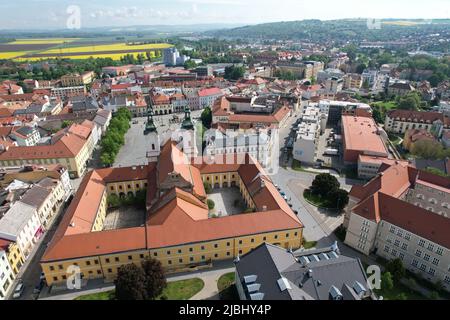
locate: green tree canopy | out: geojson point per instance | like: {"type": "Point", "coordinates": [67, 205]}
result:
{"type": "Point", "coordinates": [130, 283]}
{"type": "Point", "coordinates": [155, 280]}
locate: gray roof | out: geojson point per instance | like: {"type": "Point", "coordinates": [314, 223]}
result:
{"type": "Point", "coordinates": [16, 219]}
{"type": "Point", "coordinates": [313, 274]}
{"type": "Point", "coordinates": [437, 164]}
{"type": "Point", "coordinates": [84, 103]}
{"type": "Point", "coordinates": [35, 196]}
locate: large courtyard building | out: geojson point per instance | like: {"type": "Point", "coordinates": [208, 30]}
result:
{"type": "Point", "coordinates": [403, 213]}
{"type": "Point", "coordinates": [175, 225]}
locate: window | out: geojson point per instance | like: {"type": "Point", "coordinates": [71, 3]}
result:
{"type": "Point", "coordinates": [52, 268]}
{"type": "Point", "coordinates": [386, 248]}
{"type": "Point", "coordinates": [414, 263]}
{"type": "Point", "coordinates": [203, 247]}
{"type": "Point", "coordinates": [141, 256]}
{"type": "Point", "coordinates": [400, 233]}
{"type": "Point", "coordinates": [169, 261]}
{"type": "Point", "coordinates": [95, 261]}
{"type": "Point", "coordinates": [392, 229]}
{"type": "Point", "coordinates": [216, 245]}
{"type": "Point", "coordinates": [191, 249]}
{"type": "Point", "coordinates": [394, 253]}
{"type": "Point", "coordinates": [435, 261]}
{"type": "Point", "coordinates": [253, 240]}
{"type": "Point", "coordinates": [421, 243]}
{"type": "Point", "coordinates": [240, 241]}
{"type": "Point", "coordinates": [99, 272]}
{"type": "Point", "coordinates": [88, 263]}
{"type": "Point", "coordinates": [401, 255]}
{"type": "Point", "coordinates": [179, 251]}
{"type": "Point", "coordinates": [423, 267]}
{"type": "Point", "coordinates": [216, 255]}
{"type": "Point", "coordinates": [397, 243]}
{"type": "Point", "coordinates": [228, 244]}
{"type": "Point", "coordinates": [60, 267]}
{"type": "Point", "coordinates": [107, 260]}
{"type": "Point", "coordinates": [439, 251]}
{"type": "Point", "coordinates": [418, 253]}
{"type": "Point", "coordinates": [404, 246]}
{"type": "Point", "coordinates": [240, 251]}
{"type": "Point", "coordinates": [430, 246]}
{"type": "Point", "coordinates": [55, 278]}
{"type": "Point", "coordinates": [276, 236]}
{"type": "Point", "coordinates": [180, 260]}
{"type": "Point", "coordinates": [155, 254]}
{"type": "Point", "coordinates": [130, 258]}
{"type": "Point", "coordinates": [431, 271]}
{"type": "Point", "coordinates": [117, 259]}
{"type": "Point", "coordinates": [191, 259]}
{"type": "Point", "coordinates": [426, 257]}
{"type": "Point", "coordinates": [447, 279]}
{"type": "Point", "coordinates": [168, 252]}
{"type": "Point", "coordinates": [109, 270]}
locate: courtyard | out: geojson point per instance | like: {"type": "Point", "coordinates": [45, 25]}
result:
{"type": "Point", "coordinates": [124, 217]}
{"type": "Point", "coordinates": [228, 201]}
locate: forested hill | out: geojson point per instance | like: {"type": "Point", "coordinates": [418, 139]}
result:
{"type": "Point", "coordinates": [338, 30]}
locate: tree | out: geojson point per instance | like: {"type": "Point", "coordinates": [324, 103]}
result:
{"type": "Point", "coordinates": [378, 114]}
{"type": "Point", "coordinates": [190, 65]}
{"type": "Point", "coordinates": [410, 101]}
{"type": "Point", "coordinates": [130, 283]}
{"type": "Point", "coordinates": [428, 149]}
{"type": "Point", "coordinates": [155, 280]}
{"type": "Point", "coordinates": [323, 184]}
{"type": "Point", "coordinates": [396, 268]}
{"type": "Point", "coordinates": [339, 198]}
{"type": "Point", "coordinates": [113, 201]}
{"type": "Point", "coordinates": [66, 123]}
{"type": "Point", "coordinates": [234, 72]}
{"type": "Point", "coordinates": [387, 281]}
{"type": "Point", "coordinates": [206, 117]}
{"type": "Point", "coordinates": [208, 188]}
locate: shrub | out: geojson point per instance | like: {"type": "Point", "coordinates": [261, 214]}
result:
{"type": "Point", "coordinates": [211, 204]}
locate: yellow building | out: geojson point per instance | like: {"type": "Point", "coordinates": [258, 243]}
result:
{"type": "Point", "coordinates": [76, 79]}
{"type": "Point", "coordinates": [67, 149]}
{"type": "Point", "coordinates": [178, 230]}
{"type": "Point", "coordinates": [15, 257]}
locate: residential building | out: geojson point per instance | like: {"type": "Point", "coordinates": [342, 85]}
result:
{"type": "Point", "coordinates": [352, 81]}
{"type": "Point", "coordinates": [6, 275]}
{"type": "Point", "coordinates": [208, 96]}
{"type": "Point", "coordinates": [67, 92]}
{"type": "Point", "coordinates": [66, 149]}
{"type": "Point", "coordinates": [400, 89]}
{"type": "Point", "coordinates": [76, 79]}
{"type": "Point", "coordinates": [322, 274]}
{"type": "Point", "coordinates": [21, 224]}
{"type": "Point", "coordinates": [403, 213]}
{"type": "Point", "coordinates": [13, 254]}
{"type": "Point", "coordinates": [312, 124]}
{"type": "Point", "coordinates": [25, 136]}
{"type": "Point", "coordinates": [399, 121]}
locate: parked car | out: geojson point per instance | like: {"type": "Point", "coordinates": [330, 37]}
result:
{"type": "Point", "coordinates": [18, 291]}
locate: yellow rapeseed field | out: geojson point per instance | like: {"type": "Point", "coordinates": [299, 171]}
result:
{"type": "Point", "coordinates": [11, 55]}
{"type": "Point", "coordinates": [108, 47]}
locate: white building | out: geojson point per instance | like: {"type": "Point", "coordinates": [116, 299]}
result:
{"type": "Point", "coordinates": [313, 123]}
{"type": "Point", "coordinates": [26, 136]}
{"type": "Point", "coordinates": [21, 224]}
{"type": "Point", "coordinates": [6, 275]}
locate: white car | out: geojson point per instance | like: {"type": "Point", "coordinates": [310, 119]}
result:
{"type": "Point", "coordinates": [18, 290]}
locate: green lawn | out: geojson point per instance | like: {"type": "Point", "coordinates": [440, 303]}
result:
{"type": "Point", "coordinates": [316, 200]}
{"type": "Point", "coordinates": [227, 287]}
{"type": "Point", "coordinates": [183, 289]}
{"type": "Point", "coordinates": [177, 290]}
{"type": "Point", "coordinates": [385, 105]}
{"type": "Point", "coordinates": [309, 244]}
{"type": "Point", "coordinates": [107, 295]}
{"type": "Point", "coordinates": [397, 290]}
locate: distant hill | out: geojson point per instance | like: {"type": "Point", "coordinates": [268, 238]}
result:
{"type": "Point", "coordinates": [337, 30]}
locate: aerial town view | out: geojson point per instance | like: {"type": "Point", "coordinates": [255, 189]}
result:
{"type": "Point", "coordinates": [235, 151]}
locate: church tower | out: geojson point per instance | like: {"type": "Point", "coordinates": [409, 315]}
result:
{"type": "Point", "coordinates": [152, 136]}
{"type": "Point", "coordinates": [186, 135]}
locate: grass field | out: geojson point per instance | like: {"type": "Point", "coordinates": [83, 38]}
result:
{"type": "Point", "coordinates": [177, 290]}
{"type": "Point", "coordinates": [44, 41]}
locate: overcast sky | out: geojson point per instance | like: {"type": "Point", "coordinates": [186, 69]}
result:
{"type": "Point", "coordinates": [26, 14]}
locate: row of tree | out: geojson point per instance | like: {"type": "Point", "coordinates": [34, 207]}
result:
{"type": "Point", "coordinates": [115, 136]}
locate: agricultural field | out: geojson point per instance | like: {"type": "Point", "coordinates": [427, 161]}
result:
{"type": "Point", "coordinates": [74, 48]}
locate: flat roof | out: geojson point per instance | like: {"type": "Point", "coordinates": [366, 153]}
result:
{"type": "Point", "coordinates": [360, 134]}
